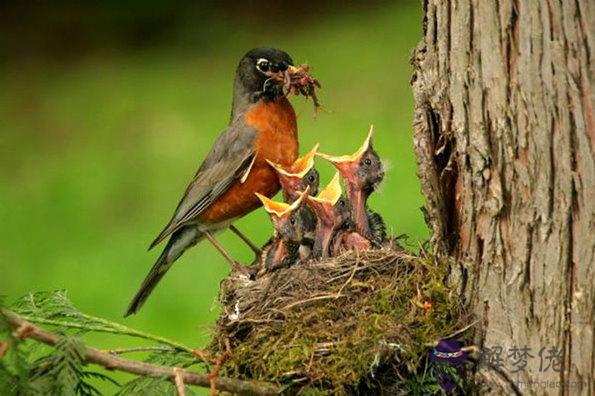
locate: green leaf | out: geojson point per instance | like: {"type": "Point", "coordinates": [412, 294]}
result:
{"type": "Point", "coordinates": [55, 309]}
{"type": "Point", "coordinates": [62, 371]}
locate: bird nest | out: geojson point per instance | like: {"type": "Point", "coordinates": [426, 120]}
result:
{"type": "Point", "coordinates": [357, 323]}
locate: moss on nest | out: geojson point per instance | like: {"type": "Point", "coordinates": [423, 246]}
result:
{"type": "Point", "coordinates": [348, 324]}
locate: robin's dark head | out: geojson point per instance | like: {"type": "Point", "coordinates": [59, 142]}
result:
{"type": "Point", "coordinates": [261, 72]}
{"type": "Point", "coordinates": [298, 176]}
{"type": "Point", "coordinates": [363, 170]}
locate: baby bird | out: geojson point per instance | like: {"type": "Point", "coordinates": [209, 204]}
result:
{"type": "Point", "coordinates": [290, 230]}
{"type": "Point", "coordinates": [362, 172]}
{"type": "Point", "coordinates": [294, 179]}
{"type": "Point", "coordinates": [333, 213]}
{"type": "Point", "coordinates": [347, 239]}
{"type": "Point", "coordinates": [299, 175]}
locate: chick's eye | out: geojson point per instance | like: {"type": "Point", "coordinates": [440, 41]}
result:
{"type": "Point", "coordinates": [368, 161]}
{"type": "Point", "coordinates": [262, 65]}
{"type": "Point", "coordinates": [342, 203]}
{"type": "Point", "coordinates": [292, 220]}
{"type": "Point", "coordinates": [311, 178]}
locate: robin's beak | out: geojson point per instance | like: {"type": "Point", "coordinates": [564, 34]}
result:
{"type": "Point", "coordinates": [287, 73]}
{"type": "Point", "coordinates": [281, 72]}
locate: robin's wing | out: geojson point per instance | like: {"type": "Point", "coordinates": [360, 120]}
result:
{"type": "Point", "coordinates": [229, 160]}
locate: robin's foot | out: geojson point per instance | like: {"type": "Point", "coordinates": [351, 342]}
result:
{"type": "Point", "coordinates": [234, 264]}
{"type": "Point", "coordinates": [241, 269]}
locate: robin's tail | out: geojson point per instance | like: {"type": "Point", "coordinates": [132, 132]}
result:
{"type": "Point", "coordinates": [176, 246]}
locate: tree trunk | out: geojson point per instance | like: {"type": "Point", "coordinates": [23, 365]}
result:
{"type": "Point", "coordinates": [505, 141]}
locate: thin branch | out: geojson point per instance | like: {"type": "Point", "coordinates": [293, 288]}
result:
{"type": "Point", "coordinates": [108, 327]}
{"type": "Point", "coordinates": [179, 381]}
{"type": "Point", "coordinates": [121, 351]}
{"type": "Point", "coordinates": [25, 329]}
{"type": "Point", "coordinates": [434, 343]}
{"type": "Point", "coordinates": [463, 329]}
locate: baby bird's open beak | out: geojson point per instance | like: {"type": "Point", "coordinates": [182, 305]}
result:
{"type": "Point", "coordinates": [300, 167]}
{"type": "Point", "coordinates": [324, 207]}
{"type": "Point", "coordinates": [281, 210]}
{"type": "Point", "coordinates": [291, 176]}
{"type": "Point", "coordinates": [347, 164]}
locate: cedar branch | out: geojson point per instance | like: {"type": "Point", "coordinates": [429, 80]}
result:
{"type": "Point", "coordinates": [112, 362]}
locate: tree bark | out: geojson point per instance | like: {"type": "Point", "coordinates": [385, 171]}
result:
{"type": "Point", "coordinates": [505, 140]}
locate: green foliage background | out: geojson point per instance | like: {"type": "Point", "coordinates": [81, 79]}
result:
{"type": "Point", "coordinates": [96, 150]}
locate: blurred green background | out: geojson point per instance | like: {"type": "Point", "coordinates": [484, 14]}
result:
{"type": "Point", "coordinates": [106, 112]}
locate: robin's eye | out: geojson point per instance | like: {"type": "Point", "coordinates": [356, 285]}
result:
{"type": "Point", "coordinates": [292, 220]}
{"type": "Point", "coordinates": [311, 178]}
{"type": "Point", "coordinates": [368, 161]}
{"type": "Point", "coordinates": [342, 203]}
{"type": "Point", "coordinates": [263, 65]}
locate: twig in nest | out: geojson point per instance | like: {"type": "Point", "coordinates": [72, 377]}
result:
{"type": "Point", "coordinates": [355, 266]}
{"type": "Point", "coordinates": [310, 361]}
{"type": "Point", "coordinates": [201, 354]}
{"type": "Point", "coordinates": [323, 297]}
{"type": "Point", "coordinates": [218, 364]}
{"type": "Point", "coordinates": [463, 329]}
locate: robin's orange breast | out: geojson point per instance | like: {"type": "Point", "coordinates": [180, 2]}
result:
{"type": "Point", "coordinates": [276, 141]}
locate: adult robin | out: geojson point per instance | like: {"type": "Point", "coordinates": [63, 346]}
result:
{"type": "Point", "coordinates": [362, 172]}
{"type": "Point", "coordinates": [291, 229]}
{"type": "Point", "coordinates": [262, 127]}
{"type": "Point", "coordinates": [333, 213]}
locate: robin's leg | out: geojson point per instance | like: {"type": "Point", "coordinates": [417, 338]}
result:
{"type": "Point", "coordinates": [234, 264]}
{"type": "Point", "coordinates": [244, 238]}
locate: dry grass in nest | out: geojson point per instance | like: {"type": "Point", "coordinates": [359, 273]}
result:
{"type": "Point", "coordinates": [349, 324]}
